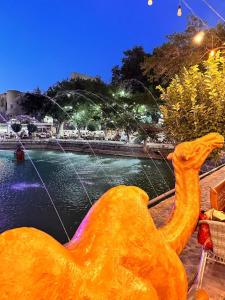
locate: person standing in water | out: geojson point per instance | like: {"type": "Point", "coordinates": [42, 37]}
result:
{"type": "Point", "coordinates": [19, 153]}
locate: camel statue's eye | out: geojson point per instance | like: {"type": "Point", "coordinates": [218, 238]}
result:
{"type": "Point", "coordinates": [184, 156]}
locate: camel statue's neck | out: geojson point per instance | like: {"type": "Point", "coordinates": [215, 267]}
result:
{"type": "Point", "coordinates": [187, 207]}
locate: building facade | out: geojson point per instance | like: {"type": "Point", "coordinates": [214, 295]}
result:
{"type": "Point", "coordinates": [10, 103]}
{"type": "Point", "coordinates": [76, 75]}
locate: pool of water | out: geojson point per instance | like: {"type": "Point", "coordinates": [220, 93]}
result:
{"type": "Point", "coordinates": [73, 181]}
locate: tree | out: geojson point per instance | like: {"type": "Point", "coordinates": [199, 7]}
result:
{"type": "Point", "coordinates": [16, 127]}
{"type": "Point", "coordinates": [132, 89]}
{"type": "Point", "coordinates": [116, 76]}
{"type": "Point", "coordinates": [35, 104]}
{"type": "Point", "coordinates": [37, 91]}
{"type": "Point", "coordinates": [64, 99]}
{"type": "Point", "coordinates": [31, 128]}
{"type": "Point", "coordinates": [132, 105]}
{"type": "Point", "coordinates": [148, 131]}
{"type": "Point", "coordinates": [126, 112]}
{"type": "Point", "coordinates": [87, 116]}
{"type": "Point", "coordinates": [181, 51]}
{"type": "Point", "coordinates": [78, 95]}
{"type": "Point", "coordinates": [195, 101]}
{"type": "Point", "coordinates": [131, 67]}
{"type": "Point", "coordinates": [94, 86]}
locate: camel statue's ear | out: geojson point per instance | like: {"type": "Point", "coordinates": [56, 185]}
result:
{"type": "Point", "coordinates": [170, 156]}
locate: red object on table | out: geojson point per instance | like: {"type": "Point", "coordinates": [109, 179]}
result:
{"type": "Point", "coordinates": [204, 237]}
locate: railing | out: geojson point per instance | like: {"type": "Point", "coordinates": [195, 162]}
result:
{"type": "Point", "coordinates": [157, 151]}
{"type": "Point", "coordinates": [171, 193]}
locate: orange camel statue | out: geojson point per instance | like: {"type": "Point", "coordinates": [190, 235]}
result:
{"type": "Point", "coordinates": [117, 252]}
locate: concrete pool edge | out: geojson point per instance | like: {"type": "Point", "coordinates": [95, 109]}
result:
{"type": "Point", "coordinates": [155, 151]}
{"type": "Point", "coordinates": [171, 193]}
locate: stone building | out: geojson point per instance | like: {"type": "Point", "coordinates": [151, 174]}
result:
{"type": "Point", "coordinates": [76, 75]}
{"type": "Point", "coordinates": [10, 103]}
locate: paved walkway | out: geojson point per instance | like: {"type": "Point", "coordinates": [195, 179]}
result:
{"type": "Point", "coordinates": [214, 278]}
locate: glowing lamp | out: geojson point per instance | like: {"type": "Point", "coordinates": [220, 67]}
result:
{"type": "Point", "coordinates": [198, 38]}
{"type": "Point", "coordinates": [179, 11]}
{"type": "Point", "coordinates": [212, 53]}
{"type": "Point", "coordinates": [150, 2]}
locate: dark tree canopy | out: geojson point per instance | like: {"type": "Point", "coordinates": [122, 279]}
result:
{"type": "Point", "coordinates": [35, 104]}
{"type": "Point", "coordinates": [96, 86]}
{"type": "Point", "coordinates": [76, 94]}
{"type": "Point", "coordinates": [169, 59]}
{"type": "Point", "coordinates": [31, 128]}
{"type": "Point", "coordinates": [16, 127]}
{"type": "Point", "coordinates": [131, 67]}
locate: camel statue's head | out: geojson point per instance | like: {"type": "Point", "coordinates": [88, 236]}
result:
{"type": "Point", "coordinates": [191, 155]}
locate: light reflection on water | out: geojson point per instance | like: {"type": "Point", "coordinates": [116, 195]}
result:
{"type": "Point", "coordinates": [24, 202]}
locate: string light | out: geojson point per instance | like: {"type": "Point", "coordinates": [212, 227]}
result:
{"type": "Point", "coordinates": [179, 11]}
{"type": "Point", "coordinates": [214, 10]}
{"type": "Point", "coordinates": [212, 53]}
{"type": "Point", "coordinates": [198, 38]}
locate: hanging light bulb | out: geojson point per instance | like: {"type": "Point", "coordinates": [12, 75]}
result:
{"type": "Point", "coordinates": [212, 53]}
{"type": "Point", "coordinates": [150, 2]}
{"type": "Point", "coordinates": [179, 11]}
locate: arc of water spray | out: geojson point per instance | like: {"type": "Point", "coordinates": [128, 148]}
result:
{"type": "Point", "coordinates": [70, 119]}
{"type": "Point", "coordinates": [75, 92]}
{"type": "Point", "coordinates": [166, 184]}
{"type": "Point", "coordinates": [76, 172]}
{"type": "Point", "coordinates": [86, 192]}
{"type": "Point", "coordinates": [131, 148]}
{"type": "Point", "coordinates": [81, 95]}
{"type": "Point", "coordinates": [74, 168]}
{"type": "Point", "coordinates": [44, 185]}
{"type": "Point", "coordinates": [157, 105]}
{"type": "Point", "coordinates": [136, 123]}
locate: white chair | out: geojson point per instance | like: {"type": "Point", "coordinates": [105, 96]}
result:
{"type": "Point", "coordinates": [217, 232]}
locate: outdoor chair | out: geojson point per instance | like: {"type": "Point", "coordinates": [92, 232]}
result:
{"type": "Point", "coordinates": [217, 196]}
{"type": "Point", "coordinates": [217, 232]}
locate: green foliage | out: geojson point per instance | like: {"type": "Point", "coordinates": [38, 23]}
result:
{"type": "Point", "coordinates": [131, 67]}
{"type": "Point", "coordinates": [195, 101]}
{"type": "Point", "coordinates": [66, 101]}
{"type": "Point", "coordinates": [80, 95]}
{"type": "Point", "coordinates": [150, 131]}
{"type": "Point", "coordinates": [91, 127]}
{"type": "Point", "coordinates": [127, 113]}
{"type": "Point", "coordinates": [179, 51]}
{"type": "Point", "coordinates": [96, 86]}
{"type": "Point", "coordinates": [87, 115]}
{"type": "Point", "coordinates": [132, 90]}
{"type": "Point", "coordinates": [35, 104]}
{"type": "Point", "coordinates": [16, 127]}
{"type": "Point", "coordinates": [92, 103]}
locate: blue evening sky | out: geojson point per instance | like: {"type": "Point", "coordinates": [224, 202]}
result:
{"type": "Point", "coordinates": [43, 41]}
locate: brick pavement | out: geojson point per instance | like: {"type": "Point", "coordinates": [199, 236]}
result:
{"type": "Point", "coordinates": [214, 278]}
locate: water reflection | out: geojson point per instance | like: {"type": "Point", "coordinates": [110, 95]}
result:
{"type": "Point", "coordinates": [24, 202]}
